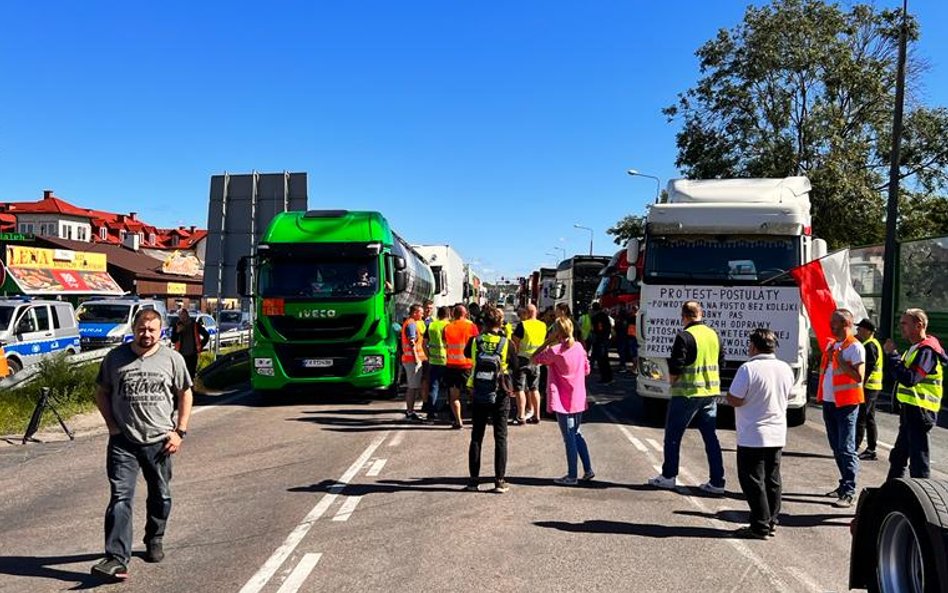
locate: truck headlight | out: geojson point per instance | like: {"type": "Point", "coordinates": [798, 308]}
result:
{"type": "Point", "coordinates": [263, 366]}
{"type": "Point", "coordinates": [652, 370]}
{"type": "Point", "coordinates": [371, 364]}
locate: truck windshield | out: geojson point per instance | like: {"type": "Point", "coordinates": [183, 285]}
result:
{"type": "Point", "coordinates": [616, 284]}
{"type": "Point", "coordinates": [6, 314]}
{"type": "Point", "coordinates": [319, 279]}
{"type": "Point", "coordinates": [103, 313]}
{"type": "Point", "coordinates": [710, 259]}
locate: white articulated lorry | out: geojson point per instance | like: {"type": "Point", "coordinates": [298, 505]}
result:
{"type": "Point", "coordinates": [728, 244]}
{"type": "Point", "coordinates": [448, 269]}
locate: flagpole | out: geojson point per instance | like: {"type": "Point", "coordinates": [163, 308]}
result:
{"type": "Point", "coordinates": [790, 271]}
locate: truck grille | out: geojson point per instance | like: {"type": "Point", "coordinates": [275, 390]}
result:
{"type": "Point", "coordinates": [293, 356]}
{"type": "Point", "coordinates": [343, 327]}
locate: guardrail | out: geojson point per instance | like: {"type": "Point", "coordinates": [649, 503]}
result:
{"type": "Point", "coordinates": [29, 373]}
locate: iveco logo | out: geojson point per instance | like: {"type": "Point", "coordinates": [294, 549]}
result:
{"type": "Point", "coordinates": [317, 314]}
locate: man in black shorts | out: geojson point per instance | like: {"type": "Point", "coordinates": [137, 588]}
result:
{"type": "Point", "coordinates": [528, 337]}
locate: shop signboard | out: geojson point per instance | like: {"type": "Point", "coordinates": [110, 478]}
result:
{"type": "Point", "coordinates": [38, 271]}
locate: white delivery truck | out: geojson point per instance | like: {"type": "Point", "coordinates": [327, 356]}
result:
{"type": "Point", "coordinates": [448, 269]}
{"type": "Point", "coordinates": [728, 244]}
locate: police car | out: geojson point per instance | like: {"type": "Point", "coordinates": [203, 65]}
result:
{"type": "Point", "coordinates": [31, 330]}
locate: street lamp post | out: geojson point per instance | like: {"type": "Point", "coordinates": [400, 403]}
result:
{"type": "Point", "coordinates": [658, 182]}
{"type": "Point", "coordinates": [586, 228]}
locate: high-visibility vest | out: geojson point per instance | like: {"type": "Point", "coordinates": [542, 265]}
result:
{"type": "Point", "coordinates": [534, 334]}
{"type": "Point", "coordinates": [702, 378]}
{"type": "Point", "coordinates": [630, 330]}
{"type": "Point", "coordinates": [4, 367]}
{"type": "Point", "coordinates": [874, 375]}
{"type": "Point", "coordinates": [508, 330]}
{"type": "Point", "coordinates": [846, 390]}
{"type": "Point", "coordinates": [490, 341]}
{"type": "Point", "coordinates": [408, 347]}
{"type": "Point", "coordinates": [436, 352]}
{"type": "Point", "coordinates": [456, 335]}
{"type": "Point", "coordinates": [925, 394]}
{"type": "Point", "coordinates": [585, 325]}
{"type": "Point", "coordinates": [197, 339]}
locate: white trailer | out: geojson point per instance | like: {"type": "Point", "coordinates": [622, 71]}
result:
{"type": "Point", "coordinates": [727, 243]}
{"type": "Point", "coordinates": [448, 269]}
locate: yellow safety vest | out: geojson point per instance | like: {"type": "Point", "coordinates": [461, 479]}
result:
{"type": "Point", "coordinates": [926, 394]}
{"type": "Point", "coordinates": [490, 340]}
{"type": "Point", "coordinates": [874, 378]}
{"type": "Point", "coordinates": [437, 353]}
{"type": "Point", "coordinates": [534, 334]}
{"type": "Point", "coordinates": [702, 378]}
{"type": "Point", "coordinates": [585, 325]}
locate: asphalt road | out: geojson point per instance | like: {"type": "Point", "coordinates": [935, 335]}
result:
{"type": "Point", "coordinates": [342, 495]}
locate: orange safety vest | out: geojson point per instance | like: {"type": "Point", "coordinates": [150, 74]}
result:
{"type": "Point", "coordinates": [197, 339]}
{"type": "Point", "coordinates": [4, 367]}
{"type": "Point", "coordinates": [846, 390]}
{"type": "Point", "coordinates": [456, 336]}
{"type": "Point", "coordinates": [407, 346]}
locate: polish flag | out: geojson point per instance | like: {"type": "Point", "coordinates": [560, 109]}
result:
{"type": "Point", "coordinates": [825, 286]}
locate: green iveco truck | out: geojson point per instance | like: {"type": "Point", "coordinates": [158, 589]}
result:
{"type": "Point", "coordinates": [330, 289]}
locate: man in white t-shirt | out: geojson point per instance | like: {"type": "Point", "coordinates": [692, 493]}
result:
{"type": "Point", "coordinates": [759, 393]}
{"type": "Point", "coordinates": [841, 393]}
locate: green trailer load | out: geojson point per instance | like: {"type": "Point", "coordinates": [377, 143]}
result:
{"type": "Point", "coordinates": [330, 289]}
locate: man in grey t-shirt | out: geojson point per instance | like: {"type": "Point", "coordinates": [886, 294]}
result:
{"type": "Point", "coordinates": [138, 384]}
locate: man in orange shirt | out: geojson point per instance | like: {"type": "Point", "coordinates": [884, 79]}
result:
{"type": "Point", "coordinates": [456, 336]}
{"type": "Point", "coordinates": [413, 358]}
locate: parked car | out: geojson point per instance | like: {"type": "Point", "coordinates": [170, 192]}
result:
{"type": "Point", "coordinates": [31, 330]}
{"type": "Point", "coordinates": [233, 320]}
{"type": "Point", "coordinates": [104, 323]}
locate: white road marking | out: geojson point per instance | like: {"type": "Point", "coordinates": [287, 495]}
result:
{"type": "Point", "coordinates": [299, 574]}
{"type": "Point", "coordinates": [762, 567]}
{"type": "Point", "coordinates": [376, 468]}
{"type": "Point", "coordinates": [804, 578]}
{"type": "Point", "coordinates": [637, 444]}
{"type": "Point", "coordinates": [258, 581]}
{"type": "Point", "coordinates": [221, 402]}
{"type": "Point", "coordinates": [347, 508]}
{"type": "Point", "coordinates": [654, 444]}
{"type": "Point", "coordinates": [397, 439]}
{"type": "Point", "coordinates": [885, 445]}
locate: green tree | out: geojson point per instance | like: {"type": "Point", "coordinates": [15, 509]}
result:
{"type": "Point", "coordinates": [629, 227]}
{"type": "Point", "coordinates": [803, 87]}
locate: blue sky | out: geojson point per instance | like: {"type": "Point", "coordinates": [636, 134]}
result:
{"type": "Point", "coordinates": [494, 127]}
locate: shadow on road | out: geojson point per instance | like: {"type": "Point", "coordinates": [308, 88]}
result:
{"type": "Point", "coordinates": [640, 529]}
{"type": "Point", "coordinates": [786, 520]}
{"type": "Point", "coordinates": [43, 567]}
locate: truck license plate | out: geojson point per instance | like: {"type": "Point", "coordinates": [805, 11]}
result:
{"type": "Point", "coordinates": [317, 363]}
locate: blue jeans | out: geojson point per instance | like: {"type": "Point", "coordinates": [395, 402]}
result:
{"type": "Point", "coordinates": [912, 443]}
{"type": "Point", "coordinates": [575, 443]}
{"type": "Point", "coordinates": [841, 433]}
{"type": "Point", "coordinates": [437, 371]}
{"type": "Point", "coordinates": [681, 411]}
{"type": "Point", "coordinates": [124, 459]}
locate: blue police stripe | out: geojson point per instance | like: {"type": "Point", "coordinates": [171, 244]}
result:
{"type": "Point", "coordinates": [41, 346]}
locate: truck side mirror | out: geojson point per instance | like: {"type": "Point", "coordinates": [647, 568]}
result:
{"type": "Point", "coordinates": [401, 280]}
{"type": "Point", "coordinates": [242, 265]}
{"type": "Point", "coordinates": [444, 283]}
{"type": "Point", "coordinates": [632, 252]}
{"type": "Point", "coordinates": [400, 263]}
{"type": "Point", "coordinates": [631, 273]}
{"type": "Point", "coordinates": [819, 249]}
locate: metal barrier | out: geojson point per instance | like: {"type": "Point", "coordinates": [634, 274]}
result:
{"type": "Point", "coordinates": [29, 373]}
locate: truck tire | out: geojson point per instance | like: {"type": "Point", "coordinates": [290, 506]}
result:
{"type": "Point", "coordinates": [796, 416]}
{"type": "Point", "coordinates": [14, 365]}
{"type": "Point", "coordinates": [911, 543]}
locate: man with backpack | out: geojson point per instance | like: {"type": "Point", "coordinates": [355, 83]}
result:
{"type": "Point", "coordinates": [491, 390]}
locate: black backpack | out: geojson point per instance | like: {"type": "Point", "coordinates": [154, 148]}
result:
{"type": "Point", "coordinates": [487, 372]}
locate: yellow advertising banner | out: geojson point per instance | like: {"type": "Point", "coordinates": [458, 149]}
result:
{"type": "Point", "coordinates": [37, 258]}
{"type": "Point", "coordinates": [177, 288]}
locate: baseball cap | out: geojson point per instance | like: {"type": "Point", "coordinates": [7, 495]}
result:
{"type": "Point", "coordinates": [866, 324]}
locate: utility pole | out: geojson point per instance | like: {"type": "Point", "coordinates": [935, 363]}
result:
{"type": "Point", "coordinates": [890, 261]}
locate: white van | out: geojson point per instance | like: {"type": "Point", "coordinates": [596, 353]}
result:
{"type": "Point", "coordinates": [30, 330]}
{"type": "Point", "coordinates": [104, 323]}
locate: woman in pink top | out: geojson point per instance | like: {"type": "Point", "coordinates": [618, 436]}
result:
{"type": "Point", "coordinates": [568, 366]}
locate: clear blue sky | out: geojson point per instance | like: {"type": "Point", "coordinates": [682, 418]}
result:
{"type": "Point", "coordinates": [490, 126]}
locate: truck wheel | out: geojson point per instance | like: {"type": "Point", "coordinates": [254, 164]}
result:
{"type": "Point", "coordinates": [796, 416]}
{"type": "Point", "coordinates": [912, 543]}
{"type": "Point", "coordinates": [14, 365]}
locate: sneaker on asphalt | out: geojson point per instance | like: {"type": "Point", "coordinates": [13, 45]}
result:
{"type": "Point", "coordinates": [457, 426]}
{"type": "Point", "coordinates": [868, 455]}
{"type": "Point", "coordinates": [528, 415]}
{"type": "Point", "coordinates": [533, 420]}
{"type": "Point", "coordinates": [748, 533]}
{"type": "Point", "coordinates": [412, 417]}
{"type": "Point", "coordinates": [501, 487]}
{"type": "Point", "coordinates": [517, 422]}
{"type": "Point", "coordinates": [588, 477]}
{"type": "Point", "coordinates": [110, 569]}
{"type": "Point", "coordinates": [154, 552]}
{"type": "Point", "coordinates": [565, 481]}
{"type": "Point", "coordinates": [661, 481]}
{"type": "Point", "coordinates": [833, 493]}
{"type": "Point", "coordinates": [711, 488]}
{"type": "Point", "coordinates": [472, 487]}
{"type": "Point", "coordinates": [844, 502]}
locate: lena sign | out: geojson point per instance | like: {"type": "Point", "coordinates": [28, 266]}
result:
{"type": "Point", "coordinates": [732, 311]}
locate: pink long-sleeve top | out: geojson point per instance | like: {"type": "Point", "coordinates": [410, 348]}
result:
{"type": "Point", "coordinates": [566, 380]}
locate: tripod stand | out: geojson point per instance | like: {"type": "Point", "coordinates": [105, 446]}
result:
{"type": "Point", "coordinates": [46, 400]}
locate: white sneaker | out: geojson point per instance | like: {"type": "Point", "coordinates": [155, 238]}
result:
{"type": "Point", "coordinates": [661, 481]}
{"type": "Point", "coordinates": [528, 415]}
{"type": "Point", "coordinates": [711, 489]}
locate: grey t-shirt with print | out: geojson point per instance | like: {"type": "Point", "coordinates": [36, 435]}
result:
{"type": "Point", "coordinates": [143, 390]}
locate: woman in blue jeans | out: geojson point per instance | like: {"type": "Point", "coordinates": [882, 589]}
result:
{"type": "Point", "coordinates": [566, 394]}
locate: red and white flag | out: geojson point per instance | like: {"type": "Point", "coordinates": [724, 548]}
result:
{"type": "Point", "coordinates": [825, 286]}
